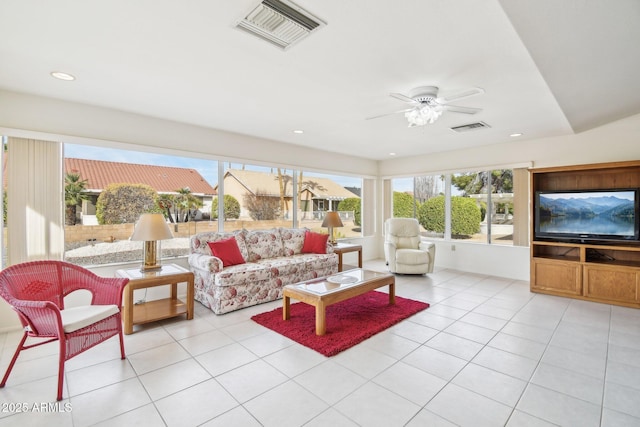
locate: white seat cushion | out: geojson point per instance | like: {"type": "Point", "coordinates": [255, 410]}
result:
{"type": "Point", "coordinates": [78, 317]}
{"type": "Point", "coordinates": [412, 256]}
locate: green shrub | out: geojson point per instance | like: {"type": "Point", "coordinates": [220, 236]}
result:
{"type": "Point", "coordinates": [352, 204]}
{"type": "Point", "coordinates": [465, 215]}
{"type": "Point", "coordinates": [231, 208]}
{"type": "Point", "coordinates": [123, 203]}
{"type": "Point", "coordinates": [403, 205]}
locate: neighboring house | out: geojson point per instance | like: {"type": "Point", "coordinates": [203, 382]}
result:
{"type": "Point", "coordinates": [164, 179]}
{"type": "Point", "coordinates": [318, 195]}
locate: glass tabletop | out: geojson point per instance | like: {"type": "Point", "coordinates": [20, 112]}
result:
{"type": "Point", "coordinates": [167, 269]}
{"type": "Point", "coordinates": [337, 282]}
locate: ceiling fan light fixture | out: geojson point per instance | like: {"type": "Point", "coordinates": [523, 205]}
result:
{"type": "Point", "coordinates": [423, 114]}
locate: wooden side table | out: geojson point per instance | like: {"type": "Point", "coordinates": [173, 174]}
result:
{"type": "Point", "coordinates": [151, 311]}
{"type": "Point", "coordinates": [343, 248]}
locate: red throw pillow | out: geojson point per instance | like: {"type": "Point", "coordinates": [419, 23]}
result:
{"type": "Point", "coordinates": [314, 243]}
{"type": "Point", "coordinates": [227, 250]}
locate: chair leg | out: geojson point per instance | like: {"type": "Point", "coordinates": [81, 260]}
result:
{"type": "Point", "coordinates": [121, 336]}
{"type": "Point", "coordinates": [62, 359]}
{"type": "Point", "coordinates": [13, 360]}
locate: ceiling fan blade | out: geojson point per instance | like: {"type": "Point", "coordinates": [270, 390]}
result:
{"type": "Point", "coordinates": [403, 98]}
{"type": "Point", "coordinates": [458, 109]}
{"type": "Point", "coordinates": [388, 114]}
{"type": "Point", "coordinates": [461, 95]}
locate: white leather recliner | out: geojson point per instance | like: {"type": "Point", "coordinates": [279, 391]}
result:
{"type": "Point", "coordinates": [405, 250]}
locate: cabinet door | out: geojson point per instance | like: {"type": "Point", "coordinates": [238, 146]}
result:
{"type": "Point", "coordinates": [555, 276]}
{"type": "Point", "coordinates": [611, 283]}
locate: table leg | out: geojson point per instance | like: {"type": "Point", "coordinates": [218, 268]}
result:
{"type": "Point", "coordinates": [321, 326]}
{"type": "Point", "coordinates": [392, 292]}
{"type": "Point", "coordinates": [174, 291]}
{"type": "Point", "coordinates": [360, 258]}
{"type": "Point", "coordinates": [190, 297]}
{"type": "Point", "coordinates": [286, 304]}
{"type": "Point", "coordinates": [339, 261]}
{"type": "Point", "coordinates": [128, 310]}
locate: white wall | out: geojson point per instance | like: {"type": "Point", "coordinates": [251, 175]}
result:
{"type": "Point", "coordinates": [617, 141]}
{"type": "Point", "coordinates": [33, 116]}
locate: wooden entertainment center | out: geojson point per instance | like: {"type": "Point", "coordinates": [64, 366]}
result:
{"type": "Point", "coordinates": [608, 272]}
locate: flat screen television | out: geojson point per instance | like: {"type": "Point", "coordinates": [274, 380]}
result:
{"type": "Point", "coordinates": [587, 215]}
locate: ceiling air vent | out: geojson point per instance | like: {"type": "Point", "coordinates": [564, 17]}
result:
{"type": "Point", "coordinates": [280, 22]}
{"type": "Point", "coordinates": [471, 126]}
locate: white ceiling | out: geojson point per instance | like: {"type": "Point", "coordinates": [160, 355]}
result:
{"type": "Point", "coordinates": [548, 67]}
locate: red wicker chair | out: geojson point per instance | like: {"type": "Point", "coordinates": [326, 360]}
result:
{"type": "Point", "coordinates": [36, 291]}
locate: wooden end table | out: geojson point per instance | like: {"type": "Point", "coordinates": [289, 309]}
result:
{"type": "Point", "coordinates": [343, 248]}
{"type": "Point", "coordinates": [321, 293]}
{"type": "Point", "coordinates": [151, 311]}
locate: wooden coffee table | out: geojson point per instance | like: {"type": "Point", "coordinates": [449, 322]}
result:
{"type": "Point", "coordinates": [323, 292]}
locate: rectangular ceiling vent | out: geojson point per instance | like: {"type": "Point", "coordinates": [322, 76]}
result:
{"type": "Point", "coordinates": [471, 126]}
{"type": "Point", "coordinates": [280, 22]}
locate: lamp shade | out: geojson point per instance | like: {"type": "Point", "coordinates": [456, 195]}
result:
{"type": "Point", "coordinates": [332, 219]}
{"type": "Point", "coordinates": [151, 227]}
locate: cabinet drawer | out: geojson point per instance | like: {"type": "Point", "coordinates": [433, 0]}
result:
{"type": "Point", "coordinates": [563, 277]}
{"type": "Point", "coordinates": [611, 283]}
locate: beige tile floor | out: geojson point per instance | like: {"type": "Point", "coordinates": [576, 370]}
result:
{"type": "Point", "coordinates": [486, 353]}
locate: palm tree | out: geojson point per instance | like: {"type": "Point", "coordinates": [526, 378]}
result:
{"type": "Point", "coordinates": [185, 201]}
{"type": "Point", "coordinates": [165, 202]}
{"type": "Point", "coordinates": [74, 188]}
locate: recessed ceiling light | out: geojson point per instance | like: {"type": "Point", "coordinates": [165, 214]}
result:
{"type": "Point", "coordinates": [62, 76]}
{"type": "Point", "coordinates": [392, 154]}
{"type": "Point", "coordinates": [513, 135]}
{"type": "Point", "coordinates": [298, 131]}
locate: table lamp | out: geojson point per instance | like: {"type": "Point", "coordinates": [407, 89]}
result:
{"type": "Point", "coordinates": [332, 219]}
{"type": "Point", "coordinates": [151, 228]}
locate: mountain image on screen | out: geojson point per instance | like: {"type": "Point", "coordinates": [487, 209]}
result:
{"type": "Point", "coordinates": [594, 215]}
{"type": "Point", "coordinates": [587, 208]}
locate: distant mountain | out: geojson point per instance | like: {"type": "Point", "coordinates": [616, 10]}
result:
{"type": "Point", "coordinates": [609, 206]}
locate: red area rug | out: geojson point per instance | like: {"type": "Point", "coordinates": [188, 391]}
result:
{"type": "Point", "coordinates": [348, 322]}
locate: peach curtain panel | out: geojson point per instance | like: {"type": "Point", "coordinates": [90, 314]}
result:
{"type": "Point", "coordinates": [35, 211]}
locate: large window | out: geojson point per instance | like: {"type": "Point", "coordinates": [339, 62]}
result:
{"type": "Point", "coordinates": [319, 193]}
{"type": "Point", "coordinates": [255, 197]}
{"type": "Point", "coordinates": [475, 206]}
{"type": "Point", "coordinates": [106, 190]}
{"type": "Point", "coordinates": [423, 198]}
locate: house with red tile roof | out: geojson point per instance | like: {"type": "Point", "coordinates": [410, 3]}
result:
{"type": "Point", "coordinates": [318, 194]}
{"type": "Point", "coordinates": [164, 179]}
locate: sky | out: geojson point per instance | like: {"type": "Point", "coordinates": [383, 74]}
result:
{"type": "Point", "coordinates": [629, 195]}
{"type": "Point", "coordinates": [207, 168]}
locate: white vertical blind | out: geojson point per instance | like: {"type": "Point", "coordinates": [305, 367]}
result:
{"type": "Point", "coordinates": [368, 208]}
{"type": "Point", "coordinates": [35, 197]}
{"type": "Point", "coordinates": [521, 207]}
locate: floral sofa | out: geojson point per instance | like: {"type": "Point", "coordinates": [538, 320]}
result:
{"type": "Point", "coordinates": [267, 261]}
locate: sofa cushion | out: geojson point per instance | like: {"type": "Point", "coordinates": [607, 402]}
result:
{"type": "Point", "coordinates": [292, 240]}
{"type": "Point", "coordinates": [318, 262]}
{"type": "Point", "coordinates": [227, 250]}
{"type": "Point", "coordinates": [284, 266]}
{"type": "Point", "coordinates": [315, 243]}
{"type": "Point", "coordinates": [263, 244]}
{"type": "Point", "coordinates": [199, 242]}
{"type": "Point", "coordinates": [242, 274]}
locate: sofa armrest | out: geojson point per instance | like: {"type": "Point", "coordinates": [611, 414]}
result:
{"type": "Point", "coordinates": [390, 254]}
{"type": "Point", "coordinates": [426, 246]}
{"type": "Point", "coordinates": [208, 263]}
{"type": "Point", "coordinates": [431, 248]}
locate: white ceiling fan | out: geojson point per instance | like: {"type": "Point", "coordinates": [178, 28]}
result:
{"type": "Point", "coordinates": [427, 106]}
